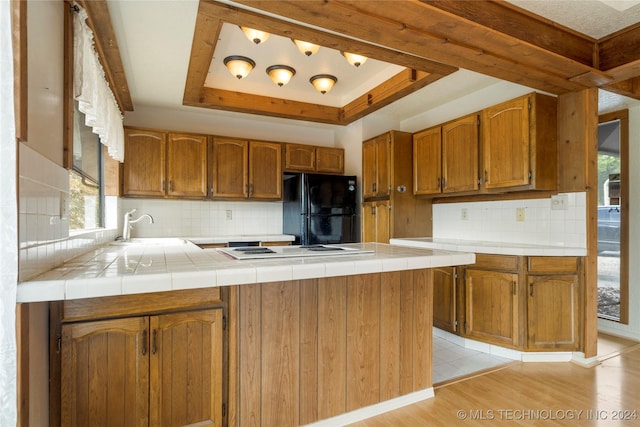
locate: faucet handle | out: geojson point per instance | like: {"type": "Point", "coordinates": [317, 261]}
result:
{"type": "Point", "coordinates": [132, 211]}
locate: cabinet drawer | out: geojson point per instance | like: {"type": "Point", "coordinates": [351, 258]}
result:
{"type": "Point", "coordinates": [127, 305]}
{"type": "Point", "coordinates": [497, 262]}
{"type": "Point", "coordinates": [552, 264]}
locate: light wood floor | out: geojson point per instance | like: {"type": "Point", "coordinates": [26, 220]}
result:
{"type": "Point", "coordinates": [542, 394]}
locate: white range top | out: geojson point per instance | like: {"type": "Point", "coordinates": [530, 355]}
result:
{"type": "Point", "coordinates": [482, 247]}
{"type": "Point", "coordinates": [166, 264]}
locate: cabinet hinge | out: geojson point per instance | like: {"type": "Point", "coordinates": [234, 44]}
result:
{"type": "Point", "coordinates": [455, 275]}
{"type": "Point", "coordinates": [478, 121]}
{"type": "Point", "coordinates": [58, 343]}
{"type": "Point", "coordinates": [530, 176]}
{"type": "Point", "coordinates": [224, 323]}
{"type": "Point", "coordinates": [389, 139]}
{"type": "Point", "coordinates": [529, 105]}
{"type": "Point", "coordinates": [224, 409]}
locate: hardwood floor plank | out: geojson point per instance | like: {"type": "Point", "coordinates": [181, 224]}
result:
{"type": "Point", "coordinates": [523, 394]}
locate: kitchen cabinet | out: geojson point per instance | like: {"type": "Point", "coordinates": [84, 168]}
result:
{"type": "Point", "coordinates": [246, 169]}
{"type": "Point", "coordinates": [445, 158]}
{"type": "Point", "coordinates": [165, 164]}
{"type": "Point", "coordinates": [553, 303]}
{"type": "Point", "coordinates": [138, 371]}
{"type": "Point", "coordinates": [144, 167]}
{"type": "Point", "coordinates": [519, 144]}
{"type": "Point", "coordinates": [387, 176]}
{"type": "Point", "coordinates": [493, 300]}
{"type": "Point", "coordinates": [309, 158]}
{"type": "Point", "coordinates": [376, 221]}
{"type": "Point", "coordinates": [445, 299]}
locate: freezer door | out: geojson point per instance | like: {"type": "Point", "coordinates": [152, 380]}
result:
{"type": "Point", "coordinates": [326, 229]}
{"type": "Point", "coordinates": [330, 194]}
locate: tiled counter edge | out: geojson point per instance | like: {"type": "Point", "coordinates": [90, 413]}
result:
{"type": "Point", "coordinates": [122, 270]}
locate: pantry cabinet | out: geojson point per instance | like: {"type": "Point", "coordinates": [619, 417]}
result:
{"type": "Point", "coordinates": [309, 158]}
{"type": "Point", "coordinates": [519, 144]}
{"type": "Point", "coordinates": [387, 176]}
{"type": "Point", "coordinates": [165, 164]}
{"type": "Point", "coordinates": [376, 221]}
{"type": "Point", "coordinates": [244, 169]}
{"type": "Point", "coordinates": [445, 158]}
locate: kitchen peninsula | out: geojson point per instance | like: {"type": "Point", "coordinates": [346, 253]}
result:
{"type": "Point", "coordinates": [285, 341]}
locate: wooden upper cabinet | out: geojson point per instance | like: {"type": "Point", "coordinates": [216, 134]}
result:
{"type": "Point", "coordinates": [460, 147]}
{"type": "Point", "coordinates": [265, 170]}
{"type": "Point", "coordinates": [330, 160]}
{"type": "Point", "coordinates": [519, 144]}
{"type": "Point", "coordinates": [427, 161]}
{"type": "Point", "coordinates": [247, 169]}
{"type": "Point", "coordinates": [144, 165]}
{"type": "Point", "coordinates": [187, 165]}
{"type": "Point", "coordinates": [230, 171]}
{"type": "Point", "coordinates": [299, 158]}
{"type": "Point", "coordinates": [105, 373]}
{"type": "Point", "coordinates": [376, 167]}
{"type": "Point", "coordinates": [309, 158]}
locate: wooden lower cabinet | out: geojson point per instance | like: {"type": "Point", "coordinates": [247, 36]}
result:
{"type": "Point", "coordinates": [376, 226]}
{"type": "Point", "coordinates": [445, 299]}
{"type": "Point", "coordinates": [157, 359]}
{"type": "Point", "coordinates": [312, 349]}
{"type": "Point", "coordinates": [492, 307]}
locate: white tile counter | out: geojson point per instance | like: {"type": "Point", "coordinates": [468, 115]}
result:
{"type": "Point", "coordinates": [166, 264]}
{"type": "Point", "coordinates": [241, 238]}
{"type": "Point", "coordinates": [481, 247]}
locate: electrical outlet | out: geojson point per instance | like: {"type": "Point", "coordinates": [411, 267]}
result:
{"type": "Point", "coordinates": [559, 202]}
{"type": "Point", "coordinates": [464, 214]}
{"type": "Point", "coordinates": [520, 214]}
{"type": "Point", "coordinates": [64, 209]}
{"type": "Point", "coordinates": [229, 214]}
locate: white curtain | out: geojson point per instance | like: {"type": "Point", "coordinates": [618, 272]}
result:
{"type": "Point", "coordinates": [8, 226]}
{"type": "Point", "coordinates": [92, 91]}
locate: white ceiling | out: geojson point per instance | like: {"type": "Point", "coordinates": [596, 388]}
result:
{"type": "Point", "coordinates": [155, 36]}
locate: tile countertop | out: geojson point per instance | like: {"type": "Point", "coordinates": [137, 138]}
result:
{"type": "Point", "coordinates": [241, 238]}
{"type": "Point", "coordinates": [166, 264]}
{"type": "Point", "coordinates": [482, 247]}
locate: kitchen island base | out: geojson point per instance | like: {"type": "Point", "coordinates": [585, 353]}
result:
{"type": "Point", "coordinates": [311, 350]}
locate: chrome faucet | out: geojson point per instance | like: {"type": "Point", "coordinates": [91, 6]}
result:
{"type": "Point", "coordinates": [128, 223]}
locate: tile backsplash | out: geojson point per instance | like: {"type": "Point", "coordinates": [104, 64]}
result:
{"type": "Point", "coordinates": [180, 218]}
{"type": "Point", "coordinates": [45, 241]}
{"type": "Point", "coordinates": [496, 221]}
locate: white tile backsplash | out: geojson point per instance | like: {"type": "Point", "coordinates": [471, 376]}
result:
{"type": "Point", "coordinates": [495, 221]}
{"type": "Point", "coordinates": [180, 218]}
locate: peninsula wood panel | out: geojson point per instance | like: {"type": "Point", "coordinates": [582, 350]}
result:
{"type": "Point", "coordinates": [358, 326]}
{"type": "Point", "coordinates": [332, 347]}
{"type": "Point", "coordinates": [363, 341]}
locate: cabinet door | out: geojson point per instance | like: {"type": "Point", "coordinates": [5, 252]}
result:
{"type": "Point", "coordinates": [369, 222]}
{"type": "Point", "coordinates": [376, 221]}
{"type": "Point", "coordinates": [186, 369]}
{"type": "Point", "coordinates": [330, 160]}
{"type": "Point", "coordinates": [105, 373]}
{"type": "Point", "coordinates": [144, 165]}
{"type": "Point", "coordinates": [491, 313]}
{"type": "Point", "coordinates": [427, 162]}
{"type": "Point", "coordinates": [444, 299]}
{"type": "Point", "coordinates": [505, 144]}
{"type": "Point", "coordinates": [230, 173]}
{"type": "Point", "coordinates": [553, 312]}
{"type": "Point", "coordinates": [265, 170]}
{"type": "Point", "coordinates": [187, 165]}
{"type": "Point", "coordinates": [369, 169]}
{"type": "Point", "coordinates": [383, 165]}
{"type": "Point", "coordinates": [383, 222]}
{"type": "Point", "coordinates": [460, 155]}
{"type": "Point", "coordinates": [298, 157]}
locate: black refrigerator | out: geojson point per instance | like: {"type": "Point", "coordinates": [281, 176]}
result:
{"type": "Point", "coordinates": [319, 209]}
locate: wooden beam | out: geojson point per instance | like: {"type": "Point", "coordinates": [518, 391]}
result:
{"type": "Point", "coordinates": [99, 20]}
{"type": "Point", "coordinates": [20, 67]}
{"type": "Point", "coordinates": [620, 48]}
{"type": "Point", "coordinates": [267, 106]}
{"type": "Point", "coordinates": [422, 29]}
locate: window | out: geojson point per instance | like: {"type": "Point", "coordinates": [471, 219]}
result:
{"type": "Point", "coordinates": [613, 217]}
{"type": "Point", "coordinates": [85, 177]}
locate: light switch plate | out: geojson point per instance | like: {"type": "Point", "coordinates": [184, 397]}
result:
{"type": "Point", "coordinates": [520, 214]}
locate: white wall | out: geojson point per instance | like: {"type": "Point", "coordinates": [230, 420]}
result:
{"type": "Point", "coordinates": [632, 330]}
